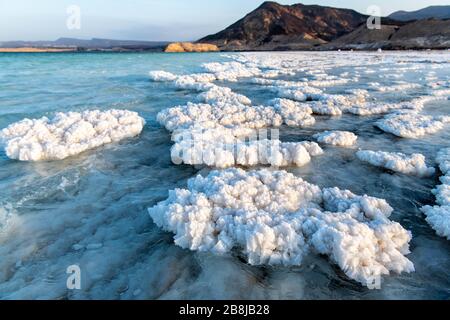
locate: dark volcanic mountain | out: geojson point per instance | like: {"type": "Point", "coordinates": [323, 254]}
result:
{"type": "Point", "coordinates": [436, 12]}
{"type": "Point", "coordinates": [273, 26]}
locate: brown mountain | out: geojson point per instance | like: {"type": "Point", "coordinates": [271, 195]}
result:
{"type": "Point", "coordinates": [276, 27]}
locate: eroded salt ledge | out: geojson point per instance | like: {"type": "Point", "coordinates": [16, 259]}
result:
{"type": "Point", "coordinates": [408, 164]}
{"type": "Point", "coordinates": [439, 216]}
{"type": "Point", "coordinates": [68, 134]}
{"type": "Point", "coordinates": [276, 218]}
{"type": "Point", "coordinates": [337, 138]}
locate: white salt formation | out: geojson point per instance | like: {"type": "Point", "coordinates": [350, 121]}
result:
{"type": "Point", "coordinates": [276, 218]}
{"type": "Point", "coordinates": [220, 148]}
{"type": "Point", "coordinates": [221, 106]}
{"type": "Point", "coordinates": [261, 152]}
{"type": "Point", "coordinates": [196, 81]}
{"type": "Point", "coordinates": [294, 114]}
{"type": "Point", "coordinates": [405, 107]}
{"type": "Point", "coordinates": [413, 165]}
{"type": "Point", "coordinates": [68, 134]}
{"type": "Point", "coordinates": [401, 86]}
{"type": "Point", "coordinates": [209, 116]}
{"type": "Point", "coordinates": [301, 94]}
{"type": "Point", "coordinates": [372, 108]}
{"type": "Point", "coordinates": [223, 97]}
{"type": "Point", "coordinates": [78, 213]}
{"type": "Point", "coordinates": [217, 107]}
{"type": "Point", "coordinates": [231, 71]}
{"type": "Point", "coordinates": [336, 104]}
{"type": "Point", "coordinates": [337, 138]}
{"type": "Point", "coordinates": [412, 125]}
{"type": "Point", "coordinates": [325, 104]}
{"type": "Point", "coordinates": [162, 76]}
{"type": "Point", "coordinates": [439, 216]}
{"type": "Point", "coordinates": [306, 90]}
{"type": "Point", "coordinates": [213, 132]}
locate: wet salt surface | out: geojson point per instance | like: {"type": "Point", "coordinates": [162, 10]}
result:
{"type": "Point", "coordinates": [90, 210]}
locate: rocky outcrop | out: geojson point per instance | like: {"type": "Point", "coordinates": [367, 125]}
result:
{"type": "Point", "coordinates": [191, 47]}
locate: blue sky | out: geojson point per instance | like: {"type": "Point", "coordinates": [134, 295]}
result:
{"type": "Point", "coordinates": [149, 19]}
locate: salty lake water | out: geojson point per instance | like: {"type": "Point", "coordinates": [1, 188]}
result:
{"type": "Point", "coordinates": [91, 210]}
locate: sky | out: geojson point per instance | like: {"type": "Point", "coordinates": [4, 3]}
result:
{"type": "Point", "coordinates": [157, 20]}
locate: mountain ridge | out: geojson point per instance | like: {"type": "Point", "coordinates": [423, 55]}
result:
{"type": "Point", "coordinates": [437, 12]}
{"type": "Point", "coordinates": [273, 26]}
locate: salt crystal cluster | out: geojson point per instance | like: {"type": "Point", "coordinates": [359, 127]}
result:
{"type": "Point", "coordinates": [412, 125]}
{"type": "Point", "coordinates": [400, 86]}
{"type": "Point", "coordinates": [209, 116]}
{"type": "Point", "coordinates": [231, 71]}
{"type": "Point", "coordinates": [439, 216]}
{"type": "Point", "coordinates": [408, 164]}
{"type": "Point", "coordinates": [276, 218]}
{"type": "Point", "coordinates": [273, 217]}
{"type": "Point", "coordinates": [215, 130]}
{"type": "Point", "coordinates": [68, 134]}
{"type": "Point", "coordinates": [220, 148]}
{"type": "Point", "coordinates": [337, 138]}
{"type": "Point", "coordinates": [294, 114]}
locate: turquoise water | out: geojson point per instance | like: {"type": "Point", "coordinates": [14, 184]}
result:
{"type": "Point", "coordinates": [90, 210]}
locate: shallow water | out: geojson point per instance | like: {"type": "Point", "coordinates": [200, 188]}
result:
{"type": "Point", "coordinates": [91, 210]}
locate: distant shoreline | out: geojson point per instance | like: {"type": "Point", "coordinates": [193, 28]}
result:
{"type": "Point", "coordinates": [76, 50]}
{"type": "Point", "coordinates": [30, 49]}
